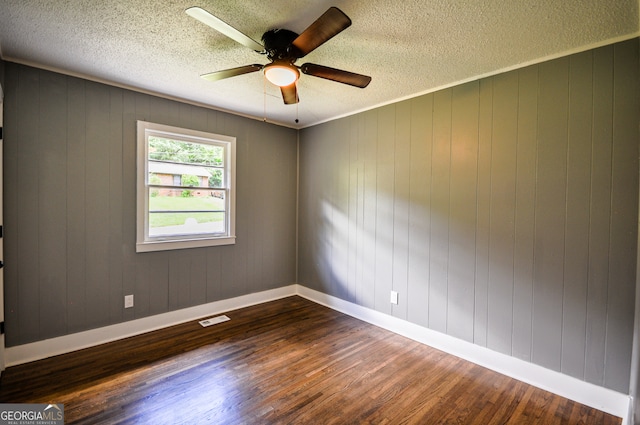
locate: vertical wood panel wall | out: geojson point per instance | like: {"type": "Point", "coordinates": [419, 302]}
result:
{"type": "Point", "coordinates": [504, 211]}
{"type": "Point", "coordinates": [70, 198]}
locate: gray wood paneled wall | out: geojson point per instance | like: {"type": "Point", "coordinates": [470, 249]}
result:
{"type": "Point", "coordinates": [504, 211]}
{"type": "Point", "coordinates": [69, 211]}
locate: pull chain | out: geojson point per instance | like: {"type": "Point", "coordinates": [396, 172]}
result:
{"type": "Point", "coordinates": [264, 92]}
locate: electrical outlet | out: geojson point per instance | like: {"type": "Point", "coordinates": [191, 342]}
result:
{"type": "Point", "coordinates": [128, 301]}
{"type": "Point", "coordinates": [394, 297]}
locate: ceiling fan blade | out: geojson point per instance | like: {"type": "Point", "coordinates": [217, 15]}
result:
{"type": "Point", "coordinates": [224, 28]}
{"type": "Point", "coordinates": [290, 94]}
{"type": "Point", "coordinates": [345, 77]}
{"type": "Point", "coordinates": [233, 72]}
{"type": "Point", "coordinates": [331, 23]}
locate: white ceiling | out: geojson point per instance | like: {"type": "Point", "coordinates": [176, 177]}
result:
{"type": "Point", "coordinates": [408, 47]}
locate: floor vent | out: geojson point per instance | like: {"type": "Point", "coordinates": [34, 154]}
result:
{"type": "Point", "coordinates": [213, 321]}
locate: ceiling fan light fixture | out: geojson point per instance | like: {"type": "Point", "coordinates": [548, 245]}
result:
{"type": "Point", "coordinates": [281, 74]}
{"type": "Point", "coordinates": [283, 48]}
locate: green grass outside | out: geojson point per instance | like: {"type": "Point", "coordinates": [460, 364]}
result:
{"type": "Point", "coordinates": [183, 204]}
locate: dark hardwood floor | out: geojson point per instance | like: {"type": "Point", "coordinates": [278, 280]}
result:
{"type": "Point", "coordinates": [289, 361]}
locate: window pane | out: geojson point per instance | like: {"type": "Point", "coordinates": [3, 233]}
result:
{"type": "Point", "coordinates": [174, 174]}
{"type": "Point", "coordinates": [176, 223]}
{"type": "Point", "coordinates": [178, 151]}
{"type": "Point", "coordinates": [192, 211]}
{"type": "Point", "coordinates": [186, 199]}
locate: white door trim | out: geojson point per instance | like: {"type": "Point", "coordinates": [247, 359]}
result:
{"type": "Point", "coordinates": [2, 358]}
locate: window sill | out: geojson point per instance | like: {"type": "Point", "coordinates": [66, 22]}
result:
{"type": "Point", "coordinates": [183, 244]}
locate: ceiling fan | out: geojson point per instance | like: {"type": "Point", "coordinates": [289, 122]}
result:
{"type": "Point", "coordinates": [283, 48]}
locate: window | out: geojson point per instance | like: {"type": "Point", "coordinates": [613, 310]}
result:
{"type": "Point", "coordinates": [185, 189]}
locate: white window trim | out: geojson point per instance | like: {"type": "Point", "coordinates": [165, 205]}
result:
{"type": "Point", "coordinates": [143, 243]}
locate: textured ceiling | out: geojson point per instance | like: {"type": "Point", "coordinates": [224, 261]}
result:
{"type": "Point", "coordinates": [408, 47]}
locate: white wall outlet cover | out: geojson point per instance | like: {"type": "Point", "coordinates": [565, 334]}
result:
{"type": "Point", "coordinates": [394, 297]}
{"type": "Point", "coordinates": [128, 301]}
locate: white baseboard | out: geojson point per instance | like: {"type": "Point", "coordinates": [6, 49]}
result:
{"type": "Point", "coordinates": [65, 344]}
{"type": "Point", "coordinates": [591, 395]}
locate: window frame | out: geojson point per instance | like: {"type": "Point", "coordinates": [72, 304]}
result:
{"type": "Point", "coordinates": [144, 243]}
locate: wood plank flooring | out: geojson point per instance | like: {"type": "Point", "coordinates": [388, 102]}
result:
{"type": "Point", "coordinates": [289, 361]}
